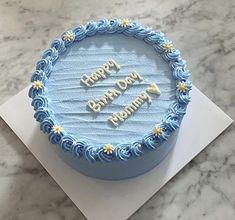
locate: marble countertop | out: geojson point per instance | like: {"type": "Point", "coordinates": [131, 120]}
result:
{"type": "Point", "coordinates": [205, 33]}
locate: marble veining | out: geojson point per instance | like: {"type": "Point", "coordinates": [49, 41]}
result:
{"type": "Point", "coordinates": [205, 33]}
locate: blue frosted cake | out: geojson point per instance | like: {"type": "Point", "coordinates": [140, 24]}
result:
{"type": "Point", "coordinates": [111, 96]}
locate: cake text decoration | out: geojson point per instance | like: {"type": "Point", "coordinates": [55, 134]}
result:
{"type": "Point", "coordinates": [100, 73]}
{"type": "Point", "coordinates": [117, 118]}
{"type": "Point", "coordinates": [122, 85]}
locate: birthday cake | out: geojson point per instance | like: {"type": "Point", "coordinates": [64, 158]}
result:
{"type": "Point", "coordinates": [111, 96]}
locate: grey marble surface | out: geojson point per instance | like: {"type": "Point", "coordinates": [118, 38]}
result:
{"type": "Point", "coordinates": [204, 30]}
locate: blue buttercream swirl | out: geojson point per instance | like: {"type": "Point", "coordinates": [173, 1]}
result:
{"type": "Point", "coordinates": [102, 156]}
{"type": "Point", "coordinates": [171, 123]}
{"type": "Point", "coordinates": [149, 141]}
{"type": "Point", "coordinates": [154, 37]}
{"type": "Point", "coordinates": [180, 63]}
{"type": "Point", "coordinates": [50, 54]}
{"type": "Point", "coordinates": [114, 26]}
{"type": "Point", "coordinates": [122, 152]}
{"type": "Point", "coordinates": [59, 45]}
{"type": "Point", "coordinates": [47, 124]}
{"type": "Point", "coordinates": [38, 75]}
{"type": "Point", "coordinates": [33, 92]}
{"type": "Point", "coordinates": [181, 74]}
{"type": "Point", "coordinates": [45, 65]}
{"type": "Point", "coordinates": [136, 149]}
{"type": "Point", "coordinates": [91, 28]}
{"type": "Point", "coordinates": [102, 26]}
{"type": "Point", "coordinates": [80, 33]}
{"type": "Point", "coordinates": [55, 138]}
{"type": "Point", "coordinates": [39, 101]}
{"type": "Point", "coordinates": [174, 55]}
{"type": "Point", "coordinates": [90, 153]}
{"type": "Point", "coordinates": [67, 142]}
{"type": "Point", "coordinates": [176, 110]}
{"type": "Point", "coordinates": [78, 148]}
{"type": "Point", "coordinates": [131, 30]}
{"type": "Point", "coordinates": [41, 113]}
{"type": "Point", "coordinates": [142, 32]}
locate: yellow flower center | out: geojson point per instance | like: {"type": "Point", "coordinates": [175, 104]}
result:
{"type": "Point", "coordinates": [37, 84]}
{"type": "Point", "coordinates": [157, 131]}
{"type": "Point", "coordinates": [57, 129]}
{"type": "Point", "coordinates": [167, 47]}
{"type": "Point", "coordinates": [124, 22]}
{"type": "Point", "coordinates": [181, 87]}
{"type": "Point", "coordinates": [108, 148]}
{"type": "Point", "coordinates": [68, 36]}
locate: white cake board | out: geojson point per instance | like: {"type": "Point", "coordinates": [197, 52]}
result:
{"type": "Point", "coordinates": [117, 200]}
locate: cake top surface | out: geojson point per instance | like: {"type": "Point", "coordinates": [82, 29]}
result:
{"type": "Point", "coordinates": [109, 90]}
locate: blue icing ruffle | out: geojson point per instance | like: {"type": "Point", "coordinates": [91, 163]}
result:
{"type": "Point", "coordinates": [180, 73]}
{"type": "Point", "coordinates": [41, 114]}
{"type": "Point", "coordinates": [180, 63]}
{"type": "Point", "coordinates": [91, 28]}
{"type": "Point", "coordinates": [142, 33]}
{"type": "Point", "coordinates": [80, 33]}
{"type": "Point", "coordinates": [174, 55]}
{"type": "Point", "coordinates": [33, 92]}
{"type": "Point", "coordinates": [149, 141]}
{"type": "Point", "coordinates": [103, 156]}
{"type": "Point", "coordinates": [132, 29]}
{"type": "Point", "coordinates": [59, 45]}
{"type": "Point", "coordinates": [38, 75]}
{"type": "Point", "coordinates": [113, 26]}
{"type": "Point", "coordinates": [55, 138]}
{"type": "Point", "coordinates": [102, 26]}
{"type": "Point", "coordinates": [154, 37]}
{"type": "Point", "coordinates": [67, 142]}
{"type": "Point", "coordinates": [39, 101]}
{"type": "Point", "coordinates": [136, 149]}
{"type": "Point", "coordinates": [90, 153]}
{"type": "Point", "coordinates": [171, 123]}
{"type": "Point", "coordinates": [47, 124]}
{"type": "Point", "coordinates": [177, 109]}
{"type": "Point", "coordinates": [44, 65]}
{"type": "Point", "coordinates": [51, 54]}
{"type": "Point", "coordinates": [122, 152]}
{"type": "Point", "coordinates": [78, 148]}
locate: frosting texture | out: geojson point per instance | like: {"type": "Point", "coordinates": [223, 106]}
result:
{"type": "Point", "coordinates": [69, 99]}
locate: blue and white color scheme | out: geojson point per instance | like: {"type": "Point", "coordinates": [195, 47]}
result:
{"type": "Point", "coordinates": [87, 141]}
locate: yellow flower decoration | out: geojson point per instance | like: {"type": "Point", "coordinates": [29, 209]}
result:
{"type": "Point", "coordinates": [157, 130]}
{"type": "Point", "coordinates": [124, 22]}
{"type": "Point", "coordinates": [37, 84]}
{"type": "Point", "coordinates": [181, 87]}
{"type": "Point", "coordinates": [167, 47]}
{"type": "Point", "coordinates": [68, 36]}
{"type": "Point", "coordinates": [108, 148]}
{"type": "Point", "coordinates": [57, 129]}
